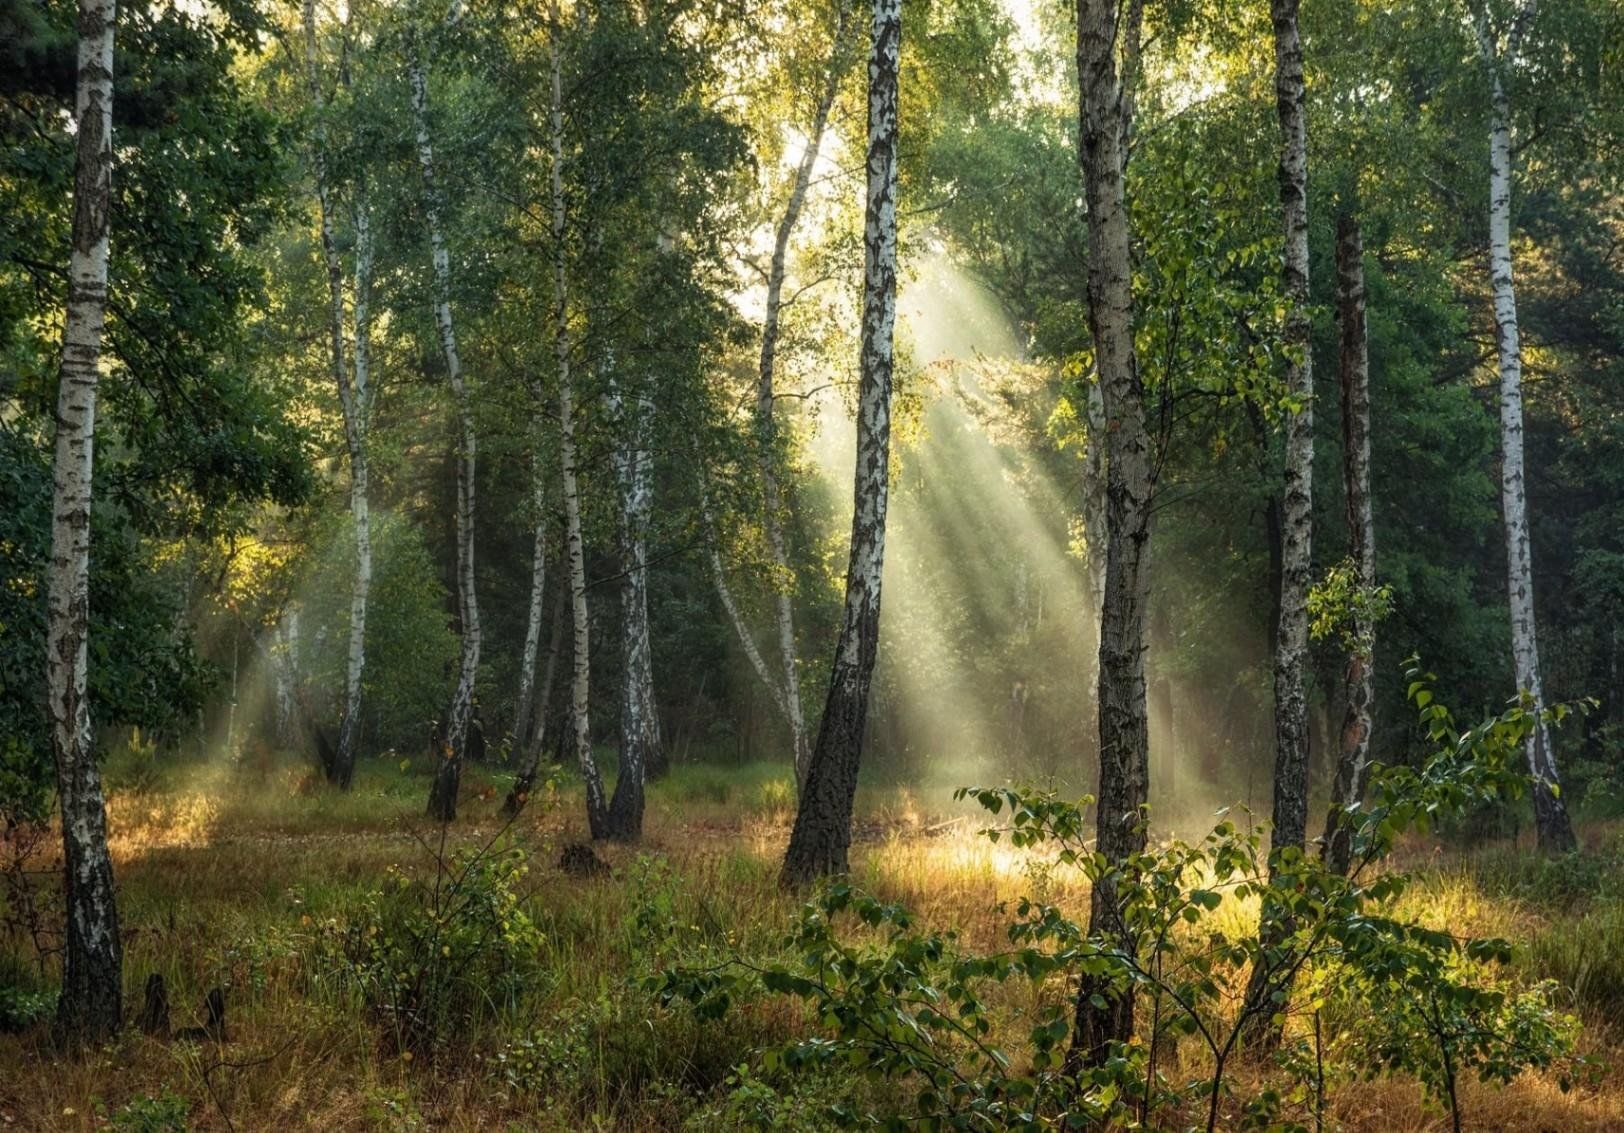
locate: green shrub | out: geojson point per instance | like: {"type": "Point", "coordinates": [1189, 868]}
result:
{"type": "Point", "coordinates": [165, 1113]}
{"type": "Point", "coordinates": [432, 959]}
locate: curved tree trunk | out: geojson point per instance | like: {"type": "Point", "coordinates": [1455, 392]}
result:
{"type": "Point", "coordinates": [1353, 373]}
{"type": "Point", "coordinates": [448, 774]}
{"type": "Point", "coordinates": [1290, 810]}
{"type": "Point", "coordinates": [1103, 1016]}
{"type": "Point", "coordinates": [525, 707]}
{"type": "Point", "coordinates": [91, 1004]}
{"type": "Point", "coordinates": [821, 837]}
{"type": "Point", "coordinates": [353, 401]}
{"type": "Point", "coordinates": [1550, 812]}
{"type": "Point", "coordinates": [536, 740]}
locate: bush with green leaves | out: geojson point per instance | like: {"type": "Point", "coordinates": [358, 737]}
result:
{"type": "Point", "coordinates": [431, 958]}
{"type": "Point", "coordinates": [912, 1005]}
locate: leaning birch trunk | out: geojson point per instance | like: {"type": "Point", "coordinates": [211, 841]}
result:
{"type": "Point", "coordinates": [90, 1007]}
{"type": "Point", "coordinates": [1290, 809]}
{"type": "Point", "coordinates": [340, 768]}
{"type": "Point", "coordinates": [821, 837]}
{"type": "Point", "coordinates": [766, 425]}
{"type": "Point", "coordinates": [448, 773]}
{"type": "Point", "coordinates": [538, 587]}
{"type": "Point", "coordinates": [574, 548]}
{"type": "Point", "coordinates": [524, 782]}
{"type": "Point", "coordinates": [1104, 1016]}
{"type": "Point", "coordinates": [1550, 812]}
{"type": "Point", "coordinates": [357, 417]}
{"type": "Point", "coordinates": [730, 605]}
{"type": "Point", "coordinates": [1353, 374]}
{"type": "Point", "coordinates": [639, 721]}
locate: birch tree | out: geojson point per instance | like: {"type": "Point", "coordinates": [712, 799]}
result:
{"type": "Point", "coordinates": [1290, 811]}
{"type": "Point", "coordinates": [1501, 56]}
{"type": "Point", "coordinates": [1104, 1015]}
{"type": "Point", "coordinates": [597, 810]}
{"type": "Point", "coordinates": [821, 836]}
{"type": "Point", "coordinates": [786, 687]}
{"type": "Point", "coordinates": [353, 397]}
{"type": "Point", "coordinates": [1296, 510]}
{"type": "Point", "coordinates": [639, 719]}
{"type": "Point", "coordinates": [91, 1002]}
{"type": "Point", "coordinates": [524, 708]}
{"type": "Point", "coordinates": [448, 772]}
{"type": "Point", "coordinates": [1353, 378]}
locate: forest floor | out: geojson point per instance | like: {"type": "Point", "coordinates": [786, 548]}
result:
{"type": "Point", "coordinates": [254, 879]}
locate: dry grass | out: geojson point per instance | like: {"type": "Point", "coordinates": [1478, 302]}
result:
{"type": "Point", "coordinates": [226, 875]}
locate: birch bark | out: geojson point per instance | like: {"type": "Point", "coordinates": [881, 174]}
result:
{"type": "Point", "coordinates": [1104, 1016]}
{"type": "Point", "coordinates": [1291, 639]}
{"type": "Point", "coordinates": [639, 720]}
{"type": "Point", "coordinates": [1290, 809]}
{"type": "Point", "coordinates": [91, 1005]}
{"type": "Point", "coordinates": [538, 586]}
{"type": "Point", "coordinates": [1555, 828]}
{"type": "Point", "coordinates": [821, 837]}
{"type": "Point", "coordinates": [448, 774]}
{"type": "Point", "coordinates": [597, 810]}
{"type": "Point", "coordinates": [766, 424]}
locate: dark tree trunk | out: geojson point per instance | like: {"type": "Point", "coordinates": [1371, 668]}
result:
{"type": "Point", "coordinates": [1104, 1015]}
{"type": "Point", "coordinates": [1353, 377]}
{"type": "Point", "coordinates": [821, 838]}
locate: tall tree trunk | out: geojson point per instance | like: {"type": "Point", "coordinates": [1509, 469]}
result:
{"type": "Point", "coordinates": [1353, 376]}
{"type": "Point", "coordinates": [285, 661]}
{"type": "Point", "coordinates": [1103, 1015]}
{"type": "Point", "coordinates": [448, 774]}
{"type": "Point", "coordinates": [352, 398]}
{"type": "Point", "coordinates": [536, 742]}
{"type": "Point", "coordinates": [1291, 639]}
{"type": "Point", "coordinates": [766, 424]}
{"type": "Point", "coordinates": [91, 1004]}
{"type": "Point", "coordinates": [1096, 527]}
{"type": "Point", "coordinates": [821, 837]}
{"type": "Point", "coordinates": [639, 718]}
{"type": "Point", "coordinates": [1550, 812]}
{"type": "Point", "coordinates": [1290, 811]}
{"type": "Point", "coordinates": [597, 811]}
{"type": "Point", "coordinates": [522, 715]}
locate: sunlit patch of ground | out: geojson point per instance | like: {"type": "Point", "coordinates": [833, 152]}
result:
{"type": "Point", "coordinates": [227, 873]}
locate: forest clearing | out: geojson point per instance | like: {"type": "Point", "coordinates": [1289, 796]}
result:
{"type": "Point", "coordinates": [236, 877]}
{"type": "Point", "coordinates": [812, 564]}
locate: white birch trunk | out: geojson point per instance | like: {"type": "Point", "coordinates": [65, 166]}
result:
{"type": "Point", "coordinates": [357, 420]}
{"type": "Point", "coordinates": [767, 426]}
{"type": "Point", "coordinates": [1550, 811]}
{"type": "Point", "coordinates": [821, 838]}
{"type": "Point", "coordinates": [1291, 639]}
{"type": "Point", "coordinates": [1102, 1015]}
{"type": "Point", "coordinates": [90, 1006]}
{"type": "Point", "coordinates": [574, 548]}
{"type": "Point", "coordinates": [538, 586]}
{"type": "Point", "coordinates": [639, 720]}
{"type": "Point", "coordinates": [443, 799]}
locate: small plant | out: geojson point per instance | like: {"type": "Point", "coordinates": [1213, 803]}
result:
{"type": "Point", "coordinates": [166, 1113]}
{"type": "Point", "coordinates": [430, 958]}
